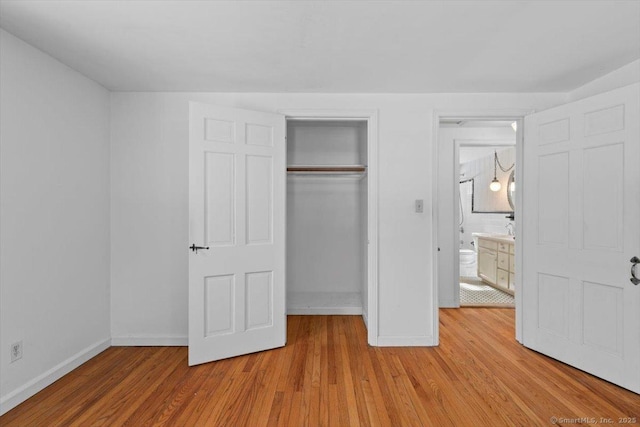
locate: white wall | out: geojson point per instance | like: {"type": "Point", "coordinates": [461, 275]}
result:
{"type": "Point", "coordinates": [481, 171]}
{"type": "Point", "coordinates": [448, 204]}
{"type": "Point", "coordinates": [324, 242]}
{"type": "Point", "coordinates": [54, 219]}
{"type": "Point", "coordinates": [623, 76]}
{"type": "Point", "coordinates": [149, 203]}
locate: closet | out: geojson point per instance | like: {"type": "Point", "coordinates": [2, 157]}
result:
{"type": "Point", "coordinates": [327, 189]}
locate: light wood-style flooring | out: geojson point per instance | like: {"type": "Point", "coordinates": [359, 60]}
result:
{"type": "Point", "coordinates": [327, 375]}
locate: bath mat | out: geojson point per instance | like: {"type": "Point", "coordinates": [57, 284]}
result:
{"type": "Point", "coordinates": [479, 294]}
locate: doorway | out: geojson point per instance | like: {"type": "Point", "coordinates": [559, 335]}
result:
{"type": "Point", "coordinates": [579, 235]}
{"type": "Point", "coordinates": [467, 147]}
{"type": "Point", "coordinates": [332, 214]}
{"type": "Point", "coordinates": [327, 217]}
{"type": "Point", "coordinates": [486, 222]}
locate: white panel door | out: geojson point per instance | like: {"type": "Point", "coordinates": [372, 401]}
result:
{"type": "Point", "coordinates": [581, 227]}
{"type": "Point", "coordinates": [237, 215]}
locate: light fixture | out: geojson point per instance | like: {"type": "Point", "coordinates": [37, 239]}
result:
{"type": "Point", "coordinates": [514, 126]}
{"type": "Point", "coordinates": [495, 184]}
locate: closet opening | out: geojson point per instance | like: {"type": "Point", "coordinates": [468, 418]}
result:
{"type": "Point", "coordinates": [328, 216]}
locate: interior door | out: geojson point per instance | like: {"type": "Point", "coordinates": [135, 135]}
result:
{"type": "Point", "coordinates": [581, 227]}
{"type": "Point", "coordinates": [237, 218]}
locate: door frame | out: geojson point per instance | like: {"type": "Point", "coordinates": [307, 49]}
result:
{"type": "Point", "coordinates": [516, 115]}
{"type": "Point", "coordinates": [370, 316]}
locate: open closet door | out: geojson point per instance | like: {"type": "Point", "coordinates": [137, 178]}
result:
{"type": "Point", "coordinates": [581, 228]}
{"type": "Point", "coordinates": [237, 232]}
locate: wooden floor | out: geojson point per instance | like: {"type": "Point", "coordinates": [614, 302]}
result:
{"type": "Point", "coordinates": [327, 375]}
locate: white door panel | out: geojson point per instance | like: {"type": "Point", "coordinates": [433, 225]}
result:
{"type": "Point", "coordinates": [236, 210]}
{"type": "Point", "coordinates": [581, 226]}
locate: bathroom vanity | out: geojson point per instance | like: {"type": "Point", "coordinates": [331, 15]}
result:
{"type": "Point", "coordinates": [496, 260]}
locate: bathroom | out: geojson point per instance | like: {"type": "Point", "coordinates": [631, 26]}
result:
{"type": "Point", "coordinates": [472, 153]}
{"type": "Point", "coordinates": [476, 215]}
{"type": "Point", "coordinates": [485, 156]}
{"type": "Point", "coordinates": [486, 222]}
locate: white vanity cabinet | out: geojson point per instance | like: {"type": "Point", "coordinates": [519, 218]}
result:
{"type": "Point", "coordinates": [487, 264]}
{"type": "Point", "coordinates": [496, 261]}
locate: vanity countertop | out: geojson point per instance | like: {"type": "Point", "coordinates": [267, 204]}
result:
{"type": "Point", "coordinates": [504, 238]}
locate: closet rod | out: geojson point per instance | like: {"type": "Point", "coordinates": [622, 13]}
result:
{"type": "Point", "coordinates": [326, 169]}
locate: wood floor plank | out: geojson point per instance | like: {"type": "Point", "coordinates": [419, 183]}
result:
{"type": "Point", "coordinates": [347, 380]}
{"type": "Point", "coordinates": [327, 375]}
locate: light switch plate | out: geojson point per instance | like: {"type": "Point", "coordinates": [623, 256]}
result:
{"type": "Point", "coordinates": [419, 206]}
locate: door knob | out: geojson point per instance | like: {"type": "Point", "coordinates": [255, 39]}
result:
{"type": "Point", "coordinates": [634, 279]}
{"type": "Point", "coordinates": [195, 248]}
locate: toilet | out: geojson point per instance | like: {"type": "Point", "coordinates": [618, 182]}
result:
{"type": "Point", "coordinates": [468, 263]}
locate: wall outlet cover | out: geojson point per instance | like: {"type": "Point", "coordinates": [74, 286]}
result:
{"type": "Point", "coordinates": [16, 351]}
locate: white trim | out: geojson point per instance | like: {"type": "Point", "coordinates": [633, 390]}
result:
{"type": "Point", "coordinates": [150, 341]}
{"type": "Point", "coordinates": [450, 303]}
{"type": "Point", "coordinates": [488, 114]}
{"type": "Point", "coordinates": [519, 225]}
{"type": "Point", "coordinates": [19, 395]}
{"type": "Point", "coordinates": [413, 341]}
{"type": "Point", "coordinates": [329, 114]}
{"type": "Point", "coordinates": [317, 116]}
{"type": "Point", "coordinates": [372, 226]}
{"type": "Point", "coordinates": [435, 249]}
{"type": "Point", "coordinates": [486, 142]}
{"type": "Point", "coordinates": [456, 230]}
{"type": "Point", "coordinates": [325, 311]}
{"type": "Point", "coordinates": [371, 116]}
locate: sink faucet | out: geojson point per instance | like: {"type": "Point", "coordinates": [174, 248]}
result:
{"type": "Point", "coordinates": [510, 229]}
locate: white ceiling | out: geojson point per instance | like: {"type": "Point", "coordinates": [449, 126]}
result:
{"type": "Point", "coordinates": [333, 46]}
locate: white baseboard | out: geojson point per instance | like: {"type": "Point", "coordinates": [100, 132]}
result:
{"type": "Point", "coordinates": [324, 311]}
{"type": "Point", "coordinates": [150, 341]}
{"type": "Point", "coordinates": [416, 341]}
{"type": "Point", "coordinates": [448, 304]}
{"type": "Point", "coordinates": [24, 392]}
{"type": "Point", "coordinates": [365, 317]}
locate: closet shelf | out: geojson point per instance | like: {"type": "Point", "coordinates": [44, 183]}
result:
{"type": "Point", "coordinates": [327, 169]}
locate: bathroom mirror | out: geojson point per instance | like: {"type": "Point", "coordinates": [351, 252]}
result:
{"type": "Point", "coordinates": [511, 190]}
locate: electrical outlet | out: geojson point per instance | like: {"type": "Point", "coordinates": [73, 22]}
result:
{"type": "Point", "coordinates": [16, 351]}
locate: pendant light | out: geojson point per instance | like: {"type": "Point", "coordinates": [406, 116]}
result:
{"type": "Point", "coordinates": [495, 184]}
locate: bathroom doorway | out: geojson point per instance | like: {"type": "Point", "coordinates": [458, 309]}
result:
{"type": "Point", "coordinates": [486, 221]}
{"type": "Point", "coordinates": [476, 221]}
